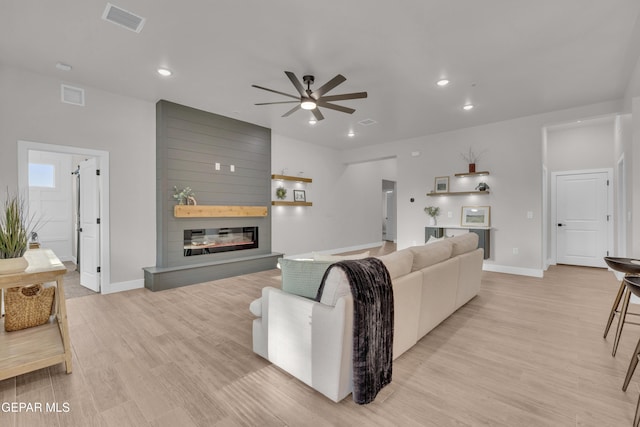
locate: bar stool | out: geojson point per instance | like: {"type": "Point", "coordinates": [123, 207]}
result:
{"type": "Point", "coordinates": [631, 268]}
{"type": "Point", "coordinates": [633, 284]}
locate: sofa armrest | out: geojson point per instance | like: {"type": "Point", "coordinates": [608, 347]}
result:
{"type": "Point", "coordinates": [311, 341]}
{"type": "Point", "coordinates": [289, 333]}
{"type": "Point", "coordinates": [332, 344]}
{"type": "Point", "coordinates": [260, 324]}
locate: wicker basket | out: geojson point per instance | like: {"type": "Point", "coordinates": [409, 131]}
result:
{"type": "Point", "coordinates": [27, 306]}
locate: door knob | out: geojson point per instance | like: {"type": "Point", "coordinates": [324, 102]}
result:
{"type": "Point", "coordinates": [560, 225]}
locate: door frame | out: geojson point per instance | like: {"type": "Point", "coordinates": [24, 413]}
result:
{"type": "Point", "coordinates": [554, 217]}
{"type": "Point", "coordinates": [103, 162]}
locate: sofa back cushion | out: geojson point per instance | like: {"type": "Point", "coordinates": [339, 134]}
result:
{"type": "Point", "coordinates": [398, 263]}
{"type": "Point", "coordinates": [335, 258]}
{"type": "Point", "coordinates": [302, 277]}
{"type": "Point", "coordinates": [336, 285]}
{"type": "Point", "coordinates": [433, 253]}
{"type": "Point", "coordinates": [464, 243]}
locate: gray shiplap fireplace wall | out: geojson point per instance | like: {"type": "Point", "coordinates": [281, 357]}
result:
{"type": "Point", "coordinates": [189, 142]}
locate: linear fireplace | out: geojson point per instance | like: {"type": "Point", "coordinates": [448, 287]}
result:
{"type": "Point", "coordinates": [211, 240]}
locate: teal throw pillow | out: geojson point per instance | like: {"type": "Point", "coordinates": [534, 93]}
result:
{"type": "Point", "coordinates": [302, 277]}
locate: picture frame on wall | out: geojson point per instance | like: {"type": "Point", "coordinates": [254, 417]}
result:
{"type": "Point", "coordinates": [476, 216]}
{"type": "Point", "coordinates": [441, 185]}
{"type": "Point", "coordinates": [299, 196]}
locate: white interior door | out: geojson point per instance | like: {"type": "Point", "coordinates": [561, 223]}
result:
{"type": "Point", "coordinates": [89, 225]}
{"type": "Point", "coordinates": [391, 216]}
{"type": "Point", "coordinates": [50, 201]}
{"type": "Point", "coordinates": [582, 219]}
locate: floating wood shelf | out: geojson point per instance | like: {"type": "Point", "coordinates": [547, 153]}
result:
{"type": "Point", "coordinates": [291, 203]}
{"type": "Point", "coordinates": [204, 211]}
{"type": "Point", "coordinates": [463, 174]}
{"type": "Point", "coordinates": [458, 193]}
{"type": "Point", "coordinates": [291, 178]}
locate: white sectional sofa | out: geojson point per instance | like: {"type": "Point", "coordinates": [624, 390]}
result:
{"type": "Point", "coordinates": [313, 341]}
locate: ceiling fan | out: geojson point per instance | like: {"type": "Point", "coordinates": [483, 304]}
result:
{"type": "Point", "coordinates": [311, 100]}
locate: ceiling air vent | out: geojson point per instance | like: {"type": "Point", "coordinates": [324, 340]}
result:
{"type": "Point", "coordinates": [72, 95]}
{"type": "Point", "coordinates": [123, 18]}
{"type": "Point", "coordinates": [367, 122]}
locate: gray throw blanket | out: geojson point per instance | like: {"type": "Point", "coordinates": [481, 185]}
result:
{"type": "Point", "coordinates": [372, 325]}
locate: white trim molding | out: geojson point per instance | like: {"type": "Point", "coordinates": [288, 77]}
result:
{"type": "Point", "coordinates": [520, 271]}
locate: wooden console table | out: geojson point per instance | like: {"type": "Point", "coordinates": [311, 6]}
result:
{"type": "Point", "coordinates": [41, 346]}
{"type": "Point", "coordinates": [484, 235]}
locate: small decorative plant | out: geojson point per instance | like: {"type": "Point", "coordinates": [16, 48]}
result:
{"type": "Point", "coordinates": [471, 157]}
{"type": "Point", "coordinates": [281, 193]}
{"type": "Point", "coordinates": [432, 211]}
{"type": "Point", "coordinates": [482, 186]}
{"type": "Point", "coordinates": [183, 196]}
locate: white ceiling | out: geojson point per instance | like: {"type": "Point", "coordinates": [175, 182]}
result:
{"type": "Point", "coordinates": [510, 58]}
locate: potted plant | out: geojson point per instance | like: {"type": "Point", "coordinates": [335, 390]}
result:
{"type": "Point", "coordinates": [14, 235]}
{"type": "Point", "coordinates": [433, 212]}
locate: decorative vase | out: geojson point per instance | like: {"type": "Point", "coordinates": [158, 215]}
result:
{"type": "Point", "coordinates": [13, 265]}
{"type": "Point", "coordinates": [432, 221]}
{"type": "Point", "coordinates": [472, 168]}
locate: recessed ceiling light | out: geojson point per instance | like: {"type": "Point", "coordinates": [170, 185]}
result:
{"type": "Point", "coordinates": [164, 72]}
{"type": "Point", "coordinates": [468, 107]}
{"type": "Point", "coordinates": [312, 121]}
{"type": "Point", "coordinates": [351, 134]}
{"type": "Point", "coordinates": [442, 82]}
{"type": "Point", "coordinates": [63, 67]}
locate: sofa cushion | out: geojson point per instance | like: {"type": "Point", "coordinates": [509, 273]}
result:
{"type": "Point", "coordinates": [336, 285]}
{"type": "Point", "coordinates": [433, 253]}
{"type": "Point", "coordinates": [302, 277]}
{"type": "Point", "coordinates": [256, 307]}
{"type": "Point", "coordinates": [464, 243]}
{"type": "Point", "coordinates": [398, 263]}
{"type": "Point", "coordinates": [335, 258]}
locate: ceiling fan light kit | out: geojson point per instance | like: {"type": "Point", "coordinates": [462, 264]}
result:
{"type": "Point", "coordinates": [311, 100]}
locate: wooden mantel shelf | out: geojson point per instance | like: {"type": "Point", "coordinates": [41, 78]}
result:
{"type": "Point", "coordinates": [204, 211]}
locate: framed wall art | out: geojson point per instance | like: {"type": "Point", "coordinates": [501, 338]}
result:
{"type": "Point", "coordinates": [441, 184]}
{"type": "Point", "coordinates": [476, 216]}
{"type": "Point", "coordinates": [299, 196]}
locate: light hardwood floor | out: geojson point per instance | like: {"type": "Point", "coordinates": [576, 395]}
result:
{"type": "Point", "coordinates": [524, 352]}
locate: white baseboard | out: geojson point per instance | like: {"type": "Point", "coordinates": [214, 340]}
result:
{"type": "Point", "coordinates": [309, 255]}
{"type": "Point", "coordinates": [532, 272]}
{"type": "Point", "coordinates": [129, 285]}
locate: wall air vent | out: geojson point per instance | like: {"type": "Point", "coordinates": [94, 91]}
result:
{"type": "Point", "coordinates": [123, 18]}
{"type": "Point", "coordinates": [367, 122]}
{"type": "Point", "coordinates": [72, 95]}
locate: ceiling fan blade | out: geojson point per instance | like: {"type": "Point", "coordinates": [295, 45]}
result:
{"type": "Point", "coordinates": [316, 112]}
{"type": "Point", "coordinates": [296, 83]}
{"type": "Point", "coordinates": [279, 102]}
{"type": "Point", "coordinates": [345, 96]}
{"type": "Point", "coordinates": [275, 91]}
{"type": "Point", "coordinates": [290, 112]}
{"type": "Point", "coordinates": [328, 86]}
{"type": "Point", "coordinates": [347, 110]}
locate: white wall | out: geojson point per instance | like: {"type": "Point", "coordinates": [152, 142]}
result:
{"type": "Point", "coordinates": [346, 199]}
{"type": "Point", "coordinates": [587, 145]}
{"type": "Point", "coordinates": [30, 110]}
{"type": "Point", "coordinates": [513, 157]}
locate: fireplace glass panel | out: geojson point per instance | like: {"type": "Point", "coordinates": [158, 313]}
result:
{"type": "Point", "coordinates": [211, 240]}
